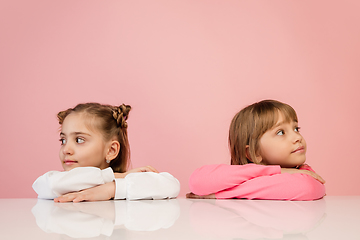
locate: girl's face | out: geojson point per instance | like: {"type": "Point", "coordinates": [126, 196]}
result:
{"type": "Point", "coordinates": [81, 146]}
{"type": "Point", "coordinates": [283, 145]}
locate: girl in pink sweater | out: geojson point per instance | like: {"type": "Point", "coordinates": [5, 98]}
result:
{"type": "Point", "coordinates": [268, 157]}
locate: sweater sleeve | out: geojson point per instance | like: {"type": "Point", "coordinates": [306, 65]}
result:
{"type": "Point", "coordinates": [210, 179]}
{"type": "Point", "coordinates": [285, 186]}
{"type": "Point", "coordinates": [147, 185]}
{"type": "Point", "coordinates": [54, 183]}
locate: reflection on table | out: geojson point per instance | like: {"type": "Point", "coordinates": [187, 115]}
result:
{"type": "Point", "coordinates": [92, 219]}
{"type": "Point", "coordinates": [331, 218]}
{"type": "Point", "coordinates": [256, 219]}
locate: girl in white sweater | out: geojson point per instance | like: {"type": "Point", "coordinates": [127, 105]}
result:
{"type": "Point", "coordinates": [95, 156]}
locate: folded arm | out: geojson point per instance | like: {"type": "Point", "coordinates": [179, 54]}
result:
{"type": "Point", "coordinates": [256, 182]}
{"type": "Point", "coordinates": [54, 183]}
{"type": "Point", "coordinates": [277, 187]}
{"type": "Point", "coordinates": [135, 186]}
{"type": "Point", "coordinates": [210, 179]}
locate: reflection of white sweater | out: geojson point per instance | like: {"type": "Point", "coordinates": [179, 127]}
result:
{"type": "Point", "coordinates": [92, 219]}
{"type": "Point", "coordinates": [142, 185]}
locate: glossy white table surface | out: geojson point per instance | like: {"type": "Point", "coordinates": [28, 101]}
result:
{"type": "Point", "coordinates": [328, 218]}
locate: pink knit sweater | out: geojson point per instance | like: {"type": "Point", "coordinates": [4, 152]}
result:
{"type": "Point", "coordinates": [252, 181]}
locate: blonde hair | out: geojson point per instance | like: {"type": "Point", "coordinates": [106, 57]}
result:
{"type": "Point", "coordinates": [110, 121]}
{"type": "Point", "coordinates": [248, 126]}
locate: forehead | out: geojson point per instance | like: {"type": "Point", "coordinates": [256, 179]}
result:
{"type": "Point", "coordinates": [281, 118]}
{"type": "Point", "coordinates": [76, 122]}
{"type": "Point", "coordinates": [284, 117]}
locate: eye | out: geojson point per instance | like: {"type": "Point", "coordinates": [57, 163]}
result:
{"type": "Point", "coordinates": [297, 129]}
{"type": "Point", "coordinates": [80, 140]}
{"type": "Point", "coordinates": [62, 141]}
{"type": "Point", "coordinates": [280, 132]}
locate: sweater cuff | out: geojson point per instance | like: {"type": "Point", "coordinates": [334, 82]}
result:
{"type": "Point", "coordinates": [120, 188]}
{"type": "Point", "coordinates": [108, 175]}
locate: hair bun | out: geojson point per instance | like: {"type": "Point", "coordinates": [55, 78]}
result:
{"type": "Point", "coordinates": [121, 114]}
{"type": "Point", "coordinates": [61, 116]}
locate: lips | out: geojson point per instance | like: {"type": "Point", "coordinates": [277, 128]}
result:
{"type": "Point", "coordinates": [69, 162]}
{"type": "Point", "coordinates": [299, 149]}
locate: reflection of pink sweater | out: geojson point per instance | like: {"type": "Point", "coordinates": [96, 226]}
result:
{"type": "Point", "coordinates": [253, 181]}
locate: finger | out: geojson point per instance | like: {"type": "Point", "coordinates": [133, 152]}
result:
{"type": "Point", "coordinates": [65, 198]}
{"type": "Point", "coordinates": [80, 198]}
{"type": "Point", "coordinates": [148, 169]}
{"type": "Point", "coordinates": [317, 177]}
{"type": "Point", "coordinates": [145, 169]}
{"type": "Point", "coordinates": [302, 166]}
{"type": "Point", "coordinates": [321, 179]}
{"type": "Point", "coordinates": [190, 195]}
{"type": "Point", "coordinates": [58, 199]}
{"type": "Point", "coordinates": [152, 169]}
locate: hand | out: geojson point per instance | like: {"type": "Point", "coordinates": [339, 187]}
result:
{"type": "Point", "coordinates": [294, 170]}
{"type": "Point", "coordinates": [192, 195]}
{"type": "Point", "coordinates": [304, 167]}
{"type": "Point", "coordinates": [135, 170]}
{"type": "Point", "coordinates": [99, 193]}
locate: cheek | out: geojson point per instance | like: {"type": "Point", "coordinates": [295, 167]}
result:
{"type": "Point", "coordinates": [94, 154]}
{"type": "Point", "coordinates": [268, 152]}
{"type": "Point", "coordinates": [271, 152]}
{"type": "Point", "coordinates": [61, 155]}
{"type": "Point", "coordinates": [266, 147]}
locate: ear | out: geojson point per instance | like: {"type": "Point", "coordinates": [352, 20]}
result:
{"type": "Point", "coordinates": [113, 150]}
{"type": "Point", "coordinates": [258, 159]}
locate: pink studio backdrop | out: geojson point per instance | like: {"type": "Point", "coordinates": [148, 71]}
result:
{"type": "Point", "coordinates": [186, 67]}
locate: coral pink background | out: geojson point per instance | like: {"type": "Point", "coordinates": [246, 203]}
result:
{"type": "Point", "coordinates": [186, 67]}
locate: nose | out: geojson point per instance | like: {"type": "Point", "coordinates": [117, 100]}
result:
{"type": "Point", "coordinates": [297, 137]}
{"type": "Point", "coordinates": [67, 149]}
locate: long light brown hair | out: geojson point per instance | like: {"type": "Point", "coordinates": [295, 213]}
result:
{"type": "Point", "coordinates": [110, 121]}
{"type": "Point", "coordinates": [248, 126]}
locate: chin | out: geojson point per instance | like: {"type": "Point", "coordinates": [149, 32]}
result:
{"type": "Point", "coordinates": [68, 168]}
{"type": "Point", "coordinates": [292, 165]}
{"type": "Point", "coordinates": [298, 164]}
{"type": "Point", "coordinates": [289, 166]}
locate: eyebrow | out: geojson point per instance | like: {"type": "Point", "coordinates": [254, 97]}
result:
{"type": "Point", "coordinates": [281, 123]}
{"type": "Point", "coordinates": [75, 133]}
